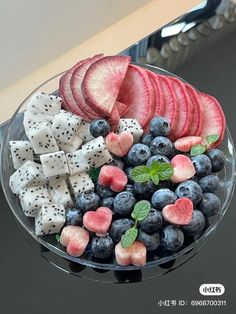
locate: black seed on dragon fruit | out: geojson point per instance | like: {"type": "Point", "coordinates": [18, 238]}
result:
{"type": "Point", "coordinates": [21, 151]}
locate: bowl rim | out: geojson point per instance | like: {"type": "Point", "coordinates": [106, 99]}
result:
{"type": "Point", "coordinates": [201, 240]}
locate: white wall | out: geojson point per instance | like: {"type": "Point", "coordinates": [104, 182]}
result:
{"type": "Point", "coordinates": [33, 32]}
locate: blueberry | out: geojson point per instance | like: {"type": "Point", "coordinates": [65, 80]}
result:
{"type": "Point", "coordinates": [74, 217]}
{"type": "Point", "coordinates": [217, 158]}
{"type": "Point", "coordinates": [173, 238]}
{"type": "Point", "coordinates": [117, 162]}
{"type": "Point", "coordinates": [196, 224]}
{"type": "Point", "coordinates": [144, 190]}
{"type": "Point", "coordinates": [130, 188]}
{"type": "Point", "coordinates": [210, 204]}
{"type": "Point", "coordinates": [202, 165]}
{"type": "Point", "coordinates": [163, 197]}
{"type": "Point", "coordinates": [102, 247]}
{"type": "Point", "coordinates": [108, 202]}
{"type": "Point", "coordinates": [161, 146]}
{"type": "Point", "coordinates": [104, 191]}
{"type": "Point", "coordinates": [191, 190]}
{"type": "Point", "coordinates": [139, 154]}
{"type": "Point", "coordinates": [153, 222]}
{"type": "Point", "coordinates": [119, 227]}
{"type": "Point", "coordinates": [151, 241]}
{"type": "Point", "coordinates": [99, 127]}
{"type": "Point", "coordinates": [158, 158]}
{"type": "Point", "coordinates": [159, 126]}
{"type": "Point", "coordinates": [128, 173]}
{"type": "Point", "coordinates": [87, 201]}
{"type": "Point", "coordinates": [209, 183]}
{"type": "Point", "coordinates": [124, 203]}
{"type": "Point", "coordinates": [147, 139]}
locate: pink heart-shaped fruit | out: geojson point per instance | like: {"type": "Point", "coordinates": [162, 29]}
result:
{"type": "Point", "coordinates": [136, 254]}
{"type": "Point", "coordinates": [98, 221]}
{"type": "Point", "coordinates": [114, 177]}
{"type": "Point", "coordinates": [119, 144]}
{"type": "Point", "coordinates": [183, 168]}
{"type": "Point", "coordinates": [179, 213]}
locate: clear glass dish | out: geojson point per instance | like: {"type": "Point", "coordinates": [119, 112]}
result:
{"type": "Point", "coordinates": [160, 258]}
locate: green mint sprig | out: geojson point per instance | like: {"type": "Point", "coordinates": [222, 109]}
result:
{"type": "Point", "coordinates": [157, 171]}
{"type": "Point", "coordinates": [139, 213]}
{"type": "Point", "coordinates": [200, 148]}
{"type": "Point", "coordinates": [94, 174]}
{"type": "Point", "coordinates": [57, 236]}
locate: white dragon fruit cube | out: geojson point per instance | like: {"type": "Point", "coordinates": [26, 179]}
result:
{"type": "Point", "coordinates": [84, 132]}
{"type": "Point", "coordinates": [21, 151]}
{"type": "Point", "coordinates": [59, 192]}
{"type": "Point", "coordinates": [72, 146]}
{"type": "Point", "coordinates": [96, 152]}
{"type": "Point", "coordinates": [132, 126]}
{"type": "Point", "coordinates": [29, 174]}
{"type": "Point", "coordinates": [65, 126]}
{"type": "Point", "coordinates": [33, 198]}
{"type": "Point", "coordinates": [54, 164]}
{"type": "Point", "coordinates": [50, 219]}
{"type": "Point", "coordinates": [32, 119]}
{"type": "Point", "coordinates": [77, 162]}
{"type": "Point", "coordinates": [41, 139]}
{"type": "Point", "coordinates": [80, 183]}
{"type": "Point", "coordinates": [44, 103]}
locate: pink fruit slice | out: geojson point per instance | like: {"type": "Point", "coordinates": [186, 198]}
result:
{"type": "Point", "coordinates": [65, 92]}
{"type": "Point", "coordinates": [102, 82]}
{"type": "Point", "coordinates": [179, 213]}
{"type": "Point", "coordinates": [76, 86]}
{"type": "Point", "coordinates": [137, 92]}
{"type": "Point", "coordinates": [98, 221]}
{"type": "Point", "coordinates": [114, 118]}
{"type": "Point", "coordinates": [136, 254]}
{"type": "Point", "coordinates": [195, 126]}
{"type": "Point", "coordinates": [119, 144]}
{"type": "Point", "coordinates": [183, 168]}
{"type": "Point", "coordinates": [122, 108]}
{"type": "Point", "coordinates": [114, 177]}
{"type": "Point", "coordinates": [184, 109]}
{"type": "Point", "coordinates": [184, 144]}
{"type": "Point", "coordinates": [213, 118]}
{"type": "Point", "coordinates": [159, 105]}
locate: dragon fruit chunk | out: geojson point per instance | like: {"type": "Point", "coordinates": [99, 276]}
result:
{"type": "Point", "coordinates": [44, 103]}
{"type": "Point", "coordinates": [71, 147]}
{"type": "Point", "coordinates": [84, 132]}
{"type": "Point", "coordinates": [41, 139]}
{"type": "Point", "coordinates": [33, 198]}
{"type": "Point", "coordinates": [80, 183]}
{"type": "Point", "coordinates": [29, 174]}
{"type": "Point", "coordinates": [32, 119]}
{"type": "Point", "coordinates": [132, 126]}
{"type": "Point", "coordinates": [50, 219]}
{"type": "Point", "coordinates": [21, 151]}
{"type": "Point", "coordinates": [96, 152]}
{"type": "Point", "coordinates": [59, 193]}
{"type": "Point", "coordinates": [65, 126]}
{"type": "Point", "coordinates": [76, 162]}
{"type": "Point", "coordinates": [54, 164]}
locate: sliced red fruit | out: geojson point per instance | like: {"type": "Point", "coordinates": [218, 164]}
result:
{"type": "Point", "coordinates": [184, 144]}
{"type": "Point", "coordinates": [114, 177]}
{"type": "Point", "coordinates": [159, 105]}
{"type": "Point", "coordinates": [183, 168]}
{"type": "Point", "coordinates": [98, 221]}
{"type": "Point", "coordinates": [170, 104]}
{"type": "Point", "coordinates": [102, 82]}
{"type": "Point", "coordinates": [137, 92]}
{"type": "Point", "coordinates": [179, 213]}
{"type": "Point", "coordinates": [76, 86]}
{"type": "Point", "coordinates": [214, 121]}
{"type": "Point", "coordinates": [184, 109]}
{"type": "Point", "coordinates": [65, 92]}
{"type": "Point", "coordinates": [119, 144]}
{"type": "Point", "coordinates": [195, 126]}
{"type": "Point", "coordinates": [114, 118]}
{"type": "Point", "coordinates": [122, 108]}
{"type": "Point", "coordinates": [136, 254]}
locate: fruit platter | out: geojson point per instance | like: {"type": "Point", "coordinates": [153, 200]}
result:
{"type": "Point", "coordinates": [118, 166]}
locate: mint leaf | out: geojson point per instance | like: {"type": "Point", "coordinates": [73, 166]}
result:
{"type": "Point", "coordinates": [94, 174]}
{"type": "Point", "coordinates": [57, 237]}
{"type": "Point", "coordinates": [129, 237]}
{"type": "Point", "coordinates": [155, 178]}
{"type": "Point", "coordinates": [197, 150]}
{"type": "Point", "coordinates": [165, 171]}
{"type": "Point", "coordinates": [212, 139]}
{"type": "Point", "coordinates": [141, 210]}
{"type": "Point", "coordinates": [153, 167]}
{"type": "Point", "coordinates": [140, 174]}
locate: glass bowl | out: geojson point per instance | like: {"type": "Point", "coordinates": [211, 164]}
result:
{"type": "Point", "coordinates": [157, 259]}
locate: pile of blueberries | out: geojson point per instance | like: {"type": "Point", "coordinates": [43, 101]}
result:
{"type": "Point", "coordinates": [154, 232]}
